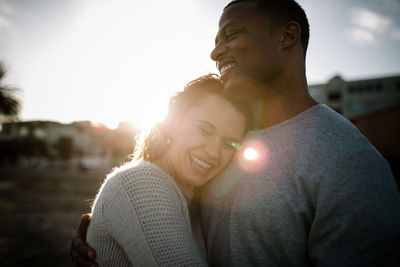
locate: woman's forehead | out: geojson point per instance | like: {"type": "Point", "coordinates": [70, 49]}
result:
{"type": "Point", "coordinates": [217, 110]}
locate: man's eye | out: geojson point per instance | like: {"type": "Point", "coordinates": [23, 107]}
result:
{"type": "Point", "coordinates": [231, 34]}
{"type": "Point", "coordinates": [233, 144]}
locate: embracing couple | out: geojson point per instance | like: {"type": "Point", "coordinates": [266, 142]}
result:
{"type": "Point", "coordinates": [317, 193]}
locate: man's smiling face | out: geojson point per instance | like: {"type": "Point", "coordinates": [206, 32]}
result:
{"type": "Point", "coordinates": [246, 48]}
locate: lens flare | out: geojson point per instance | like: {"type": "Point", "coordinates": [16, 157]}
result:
{"type": "Point", "coordinates": [250, 153]}
{"type": "Point", "coordinates": [253, 157]}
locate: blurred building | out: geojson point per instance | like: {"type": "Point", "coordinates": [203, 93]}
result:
{"type": "Point", "coordinates": [52, 133]}
{"type": "Point", "coordinates": [48, 140]}
{"type": "Point", "coordinates": [354, 98]}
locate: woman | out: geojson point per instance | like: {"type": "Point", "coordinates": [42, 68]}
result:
{"type": "Point", "coordinates": [140, 216]}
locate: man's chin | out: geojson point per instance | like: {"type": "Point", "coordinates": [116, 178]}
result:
{"type": "Point", "coordinates": [243, 88]}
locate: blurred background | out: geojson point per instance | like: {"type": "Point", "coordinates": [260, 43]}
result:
{"type": "Point", "coordinates": [80, 78]}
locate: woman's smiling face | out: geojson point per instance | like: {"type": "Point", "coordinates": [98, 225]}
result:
{"type": "Point", "coordinates": [203, 140]}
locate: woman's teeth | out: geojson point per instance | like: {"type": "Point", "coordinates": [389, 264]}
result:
{"type": "Point", "coordinates": [199, 163]}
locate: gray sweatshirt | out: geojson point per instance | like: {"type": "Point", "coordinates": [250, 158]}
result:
{"type": "Point", "coordinates": [318, 194]}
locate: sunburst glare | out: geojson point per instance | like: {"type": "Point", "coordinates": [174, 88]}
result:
{"type": "Point", "coordinates": [117, 60]}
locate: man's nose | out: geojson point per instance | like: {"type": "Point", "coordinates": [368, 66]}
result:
{"type": "Point", "coordinates": [218, 51]}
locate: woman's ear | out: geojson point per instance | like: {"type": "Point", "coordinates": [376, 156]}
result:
{"type": "Point", "coordinates": [164, 133]}
{"type": "Point", "coordinates": [290, 34]}
{"type": "Point", "coordinates": [168, 126]}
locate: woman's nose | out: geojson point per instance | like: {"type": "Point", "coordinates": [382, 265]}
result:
{"type": "Point", "coordinates": [212, 148]}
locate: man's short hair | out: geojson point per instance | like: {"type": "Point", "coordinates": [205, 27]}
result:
{"type": "Point", "coordinates": [282, 11]}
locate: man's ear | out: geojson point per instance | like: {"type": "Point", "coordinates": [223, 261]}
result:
{"type": "Point", "coordinates": [290, 34]}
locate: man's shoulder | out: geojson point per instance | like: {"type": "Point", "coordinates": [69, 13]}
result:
{"type": "Point", "coordinates": [325, 129]}
{"type": "Point", "coordinates": [324, 139]}
{"type": "Point", "coordinates": [326, 120]}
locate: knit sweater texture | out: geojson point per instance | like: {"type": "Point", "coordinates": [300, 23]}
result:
{"type": "Point", "coordinates": [140, 217]}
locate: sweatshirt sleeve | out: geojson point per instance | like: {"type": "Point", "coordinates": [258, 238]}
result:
{"type": "Point", "coordinates": [146, 213]}
{"type": "Point", "coordinates": [357, 217]}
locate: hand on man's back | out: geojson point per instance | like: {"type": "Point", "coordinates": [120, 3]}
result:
{"type": "Point", "coordinates": [81, 253]}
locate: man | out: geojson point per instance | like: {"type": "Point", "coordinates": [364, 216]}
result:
{"type": "Point", "coordinates": [315, 192]}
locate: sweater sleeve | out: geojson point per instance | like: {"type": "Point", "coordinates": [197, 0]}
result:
{"type": "Point", "coordinates": [146, 214]}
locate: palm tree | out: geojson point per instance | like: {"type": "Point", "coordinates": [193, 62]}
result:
{"type": "Point", "coordinates": [9, 105]}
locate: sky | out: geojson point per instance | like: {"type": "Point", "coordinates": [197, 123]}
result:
{"type": "Point", "coordinates": [118, 60]}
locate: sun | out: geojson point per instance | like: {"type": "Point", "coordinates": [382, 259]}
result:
{"type": "Point", "coordinates": [124, 71]}
{"type": "Point", "coordinates": [145, 118]}
{"type": "Point", "coordinates": [113, 124]}
{"type": "Point", "coordinates": [141, 111]}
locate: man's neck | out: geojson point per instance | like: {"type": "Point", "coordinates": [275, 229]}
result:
{"type": "Point", "coordinates": [274, 109]}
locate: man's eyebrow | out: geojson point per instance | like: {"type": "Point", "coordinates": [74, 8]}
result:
{"type": "Point", "coordinates": [216, 38]}
{"type": "Point", "coordinates": [207, 123]}
{"type": "Point", "coordinates": [223, 29]}
{"type": "Point", "coordinates": [220, 32]}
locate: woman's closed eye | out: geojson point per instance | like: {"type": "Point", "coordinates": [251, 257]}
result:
{"type": "Point", "coordinates": [232, 144]}
{"type": "Point", "coordinates": [205, 130]}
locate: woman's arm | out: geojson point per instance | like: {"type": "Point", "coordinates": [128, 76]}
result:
{"type": "Point", "coordinates": [146, 214]}
{"type": "Point", "coordinates": [81, 253]}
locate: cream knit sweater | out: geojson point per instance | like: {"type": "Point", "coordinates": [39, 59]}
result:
{"type": "Point", "coordinates": [140, 218]}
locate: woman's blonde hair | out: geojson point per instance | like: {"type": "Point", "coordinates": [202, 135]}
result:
{"type": "Point", "coordinates": [152, 144]}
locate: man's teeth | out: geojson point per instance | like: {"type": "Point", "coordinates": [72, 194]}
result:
{"type": "Point", "coordinates": [199, 162]}
{"type": "Point", "coordinates": [226, 67]}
